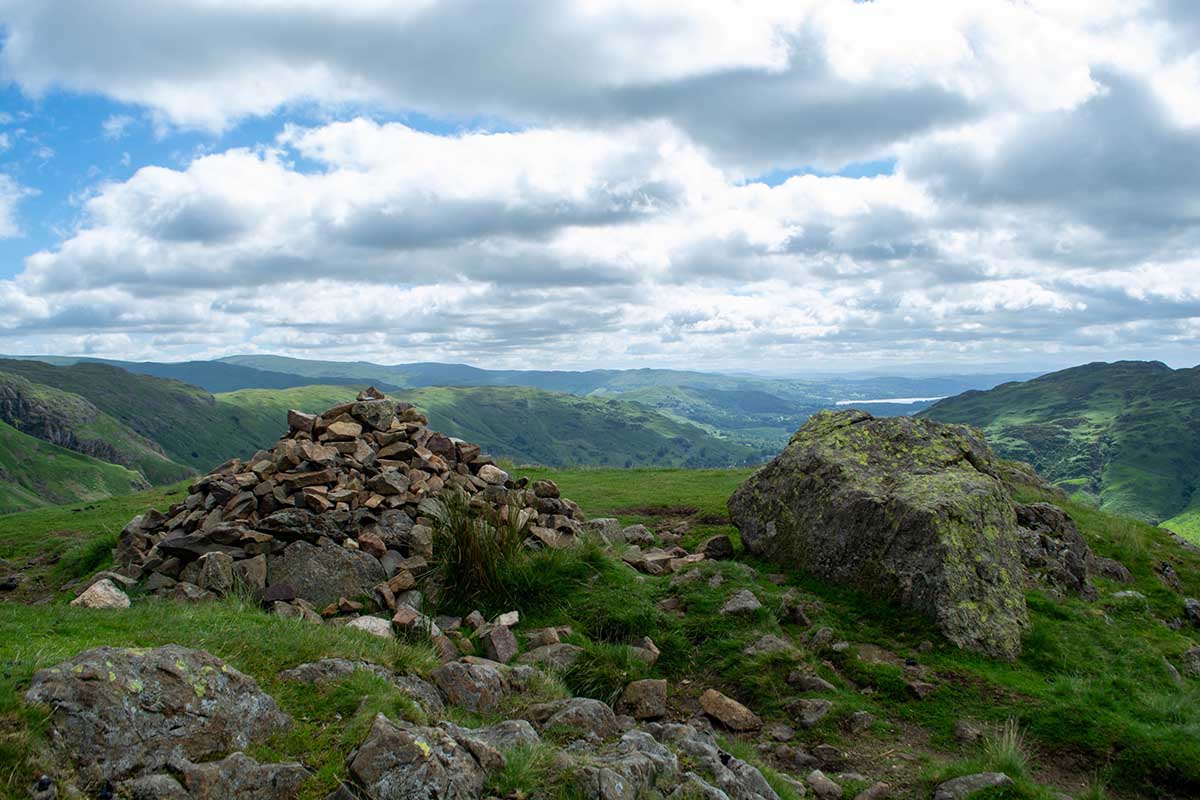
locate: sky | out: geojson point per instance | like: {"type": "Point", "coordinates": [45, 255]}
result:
{"type": "Point", "coordinates": [706, 184]}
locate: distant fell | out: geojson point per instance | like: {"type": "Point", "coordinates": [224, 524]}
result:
{"type": "Point", "coordinates": [1124, 434]}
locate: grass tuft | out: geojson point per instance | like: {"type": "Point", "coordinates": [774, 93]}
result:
{"type": "Point", "coordinates": [1004, 750]}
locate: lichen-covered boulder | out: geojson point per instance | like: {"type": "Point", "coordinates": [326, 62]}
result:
{"type": "Point", "coordinates": [122, 712]}
{"type": "Point", "coordinates": [409, 762]}
{"type": "Point", "coordinates": [909, 509]}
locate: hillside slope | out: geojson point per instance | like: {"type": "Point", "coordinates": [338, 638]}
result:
{"type": "Point", "coordinates": [75, 423]}
{"type": "Point", "coordinates": [526, 425]}
{"type": "Point", "coordinates": [533, 426]}
{"type": "Point", "coordinates": [34, 474]}
{"type": "Point", "coordinates": [1125, 434]}
{"type": "Point", "coordinates": [1089, 710]}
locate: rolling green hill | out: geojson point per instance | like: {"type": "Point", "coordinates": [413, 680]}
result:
{"type": "Point", "coordinates": [73, 422]}
{"type": "Point", "coordinates": [34, 474]}
{"type": "Point", "coordinates": [1126, 435]}
{"type": "Point", "coordinates": [533, 426]}
{"type": "Point", "coordinates": [168, 429]}
{"type": "Point", "coordinates": [525, 425]}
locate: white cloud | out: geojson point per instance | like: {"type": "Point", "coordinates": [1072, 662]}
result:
{"type": "Point", "coordinates": [11, 194]}
{"type": "Point", "coordinates": [115, 126]}
{"type": "Point", "coordinates": [1043, 194]}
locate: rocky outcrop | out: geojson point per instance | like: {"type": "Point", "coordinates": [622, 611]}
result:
{"type": "Point", "coordinates": [236, 775]}
{"type": "Point", "coordinates": [335, 508]}
{"type": "Point", "coordinates": [409, 762]}
{"type": "Point", "coordinates": [905, 508]}
{"type": "Point", "coordinates": [120, 713]}
{"type": "Point", "coordinates": [1054, 552]}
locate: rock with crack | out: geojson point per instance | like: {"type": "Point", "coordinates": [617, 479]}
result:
{"type": "Point", "coordinates": [118, 713]}
{"type": "Point", "coordinates": [908, 509]}
{"type": "Point", "coordinates": [581, 716]}
{"type": "Point", "coordinates": [1053, 551]}
{"type": "Point", "coordinates": [629, 770]}
{"type": "Point", "coordinates": [236, 775]}
{"type": "Point", "coordinates": [476, 685]}
{"type": "Point", "coordinates": [398, 761]}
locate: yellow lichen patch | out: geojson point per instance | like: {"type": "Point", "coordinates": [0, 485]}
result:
{"type": "Point", "coordinates": [425, 749]}
{"type": "Point", "coordinates": [136, 686]}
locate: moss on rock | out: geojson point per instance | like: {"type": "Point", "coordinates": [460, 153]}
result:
{"type": "Point", "coordinates": [905, 508]}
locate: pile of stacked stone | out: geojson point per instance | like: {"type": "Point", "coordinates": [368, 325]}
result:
{"type": "Point", "coordinates": [333, 514]}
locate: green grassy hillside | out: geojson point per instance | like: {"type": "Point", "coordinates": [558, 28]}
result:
{"type": "Point", "coordinates": [1124, 435]}
{"type": "Point", "coordinates": [760, 413]}
{"type": "Point", "coordinates": [533, 426]}
{"type": "Point", "coordinates": [34, 473]}
{"type": "Point", "coordinates": [75, 423]}
{"type": "Point", "coordinates": [1095, 711]}
{"type": "Point", "coordinates": [525, 425]}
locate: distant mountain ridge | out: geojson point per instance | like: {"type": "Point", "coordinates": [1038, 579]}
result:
{"type": "Point", "coordinates": [755, 412]}
{"type": "Point", "coordinates": [1126, 434]}
{"type": "Point", "coordinates": [160, 430]}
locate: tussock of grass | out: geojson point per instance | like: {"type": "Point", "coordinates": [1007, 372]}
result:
{"type": "Point", "coordinates": [1004, 751]}
{"type": "Point", "coordinates": [473, 547]}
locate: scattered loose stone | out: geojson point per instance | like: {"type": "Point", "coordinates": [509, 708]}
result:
{"type": "Point", "coordinates": [743, 601]}
{"type": "Point", "coordinates": [556, 656]}
{"type": "Point", "coordinates": [860, 721]}
{"type": "Point", "coordinates": [729, 712]}
{"type": "Point", "coordinates": [499, 643]}
{"type": "Point", "coordinates": [376, 626]}
{"type": "Point", "coordinates": [921, 689]}
{"type": "Point", "coordinates": [877, 791]}
{"type": "Point", "coordinates": [716, 548]}
{"type": "Point", "coordinates": [478, 686]}
{"type": "Point", "coordinates": [809, 712]}
{"type": "Point", "coordinates": [644, 699]}
{"type": "Point", "coordinates": [583, 715]}
{"type": "Point", "coordinates": [780, 732]}
{"type": "Point", "coordinates": [770, 644]}
{"type": "Point", "coordinates": [961, 788]}
{"type": "Point", "coordinates": [102, 594]}
{"type": "Point", "coordinates": [1191, 608]}
{"type": "Point", "coordinates": [1191, 663]}
{"type": "Point", "coordinates": [639, 535]}
{"type": "Point", "coordinates": [646, 651]}
{"type": "Point", "coordinates": [808, 682]}
{"type": "Point", "coordinates": [967, 733]}
{"type": "Point", "coordinates": [822, 786]}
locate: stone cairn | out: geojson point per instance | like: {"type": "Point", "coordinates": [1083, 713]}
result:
{"type": "Point", "coordinates": [335, 521]}
{"type": "Point", "coordinates": [355, 478]}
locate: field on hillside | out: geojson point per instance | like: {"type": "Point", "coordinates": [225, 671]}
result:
{"type": "Point", "coordinates": [34, 473]}
{"type": "Point", "coordinates": [1092, 700]}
